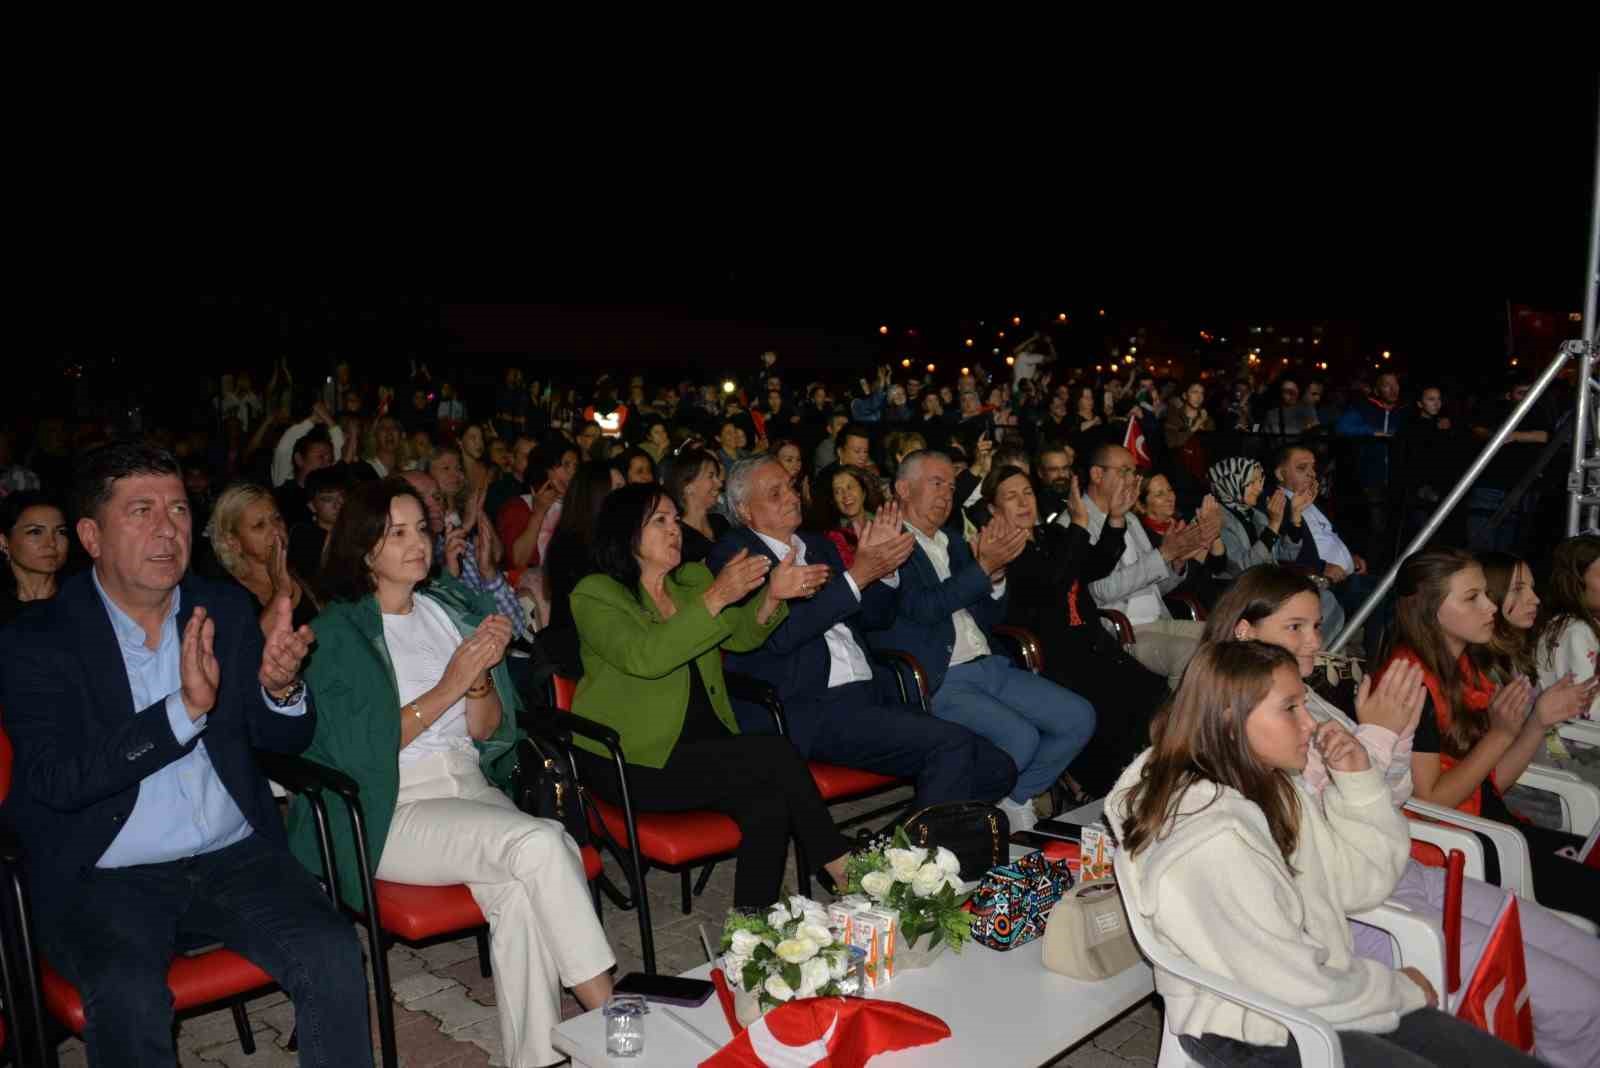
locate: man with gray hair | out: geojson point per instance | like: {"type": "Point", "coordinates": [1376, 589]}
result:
{"type": "Point", "coordinates": [840, 710]}
{"type": "Point", "coordinates": [949, 596]}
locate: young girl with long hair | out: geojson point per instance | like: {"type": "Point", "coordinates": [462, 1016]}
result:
{"type": "Point", "coordinates": [1274, 605]}
{"type": "Point", "coordinates": [1477, 736]}
{"type": "Point", "coordinates": [1569, 639]}
{"type": "Point", "coordinates": [1243, 872]}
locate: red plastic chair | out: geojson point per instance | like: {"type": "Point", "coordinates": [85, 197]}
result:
{"type": "Point", "coordinates": [416, 915]}
{"type": "Point", "coordinates": [202, 982]}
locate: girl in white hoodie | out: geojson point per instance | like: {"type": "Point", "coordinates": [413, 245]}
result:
{"type": "Point", "coordinates": [1244, 873]}
{"type": "Point", "coordinates": [1275, 605]}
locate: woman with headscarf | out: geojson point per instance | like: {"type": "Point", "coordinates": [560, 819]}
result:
{"type": "Point", "coordinates": [1250, 535]}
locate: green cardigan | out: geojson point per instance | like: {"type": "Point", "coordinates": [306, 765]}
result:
{"type": "Point", "coordinates": [636, 665]}
{"type": "Point", "coordinates": [358, 724]}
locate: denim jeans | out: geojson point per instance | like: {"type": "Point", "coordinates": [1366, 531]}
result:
{"type": "Point", "coordinates": [115, 940]}
{"type": "Point", "coordinates": [1041, 726]}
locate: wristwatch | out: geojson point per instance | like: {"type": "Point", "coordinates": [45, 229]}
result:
{"type": "Point", "coordinates": [296, 694]}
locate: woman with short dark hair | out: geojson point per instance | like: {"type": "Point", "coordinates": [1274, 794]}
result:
{"type": "Point", "coordinates": [414, 702]}
{"type": "Point", "coordinates": [651, 630]}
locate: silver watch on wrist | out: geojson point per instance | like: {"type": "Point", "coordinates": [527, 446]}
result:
{"type": "Point", "coordinates": [296, 694]}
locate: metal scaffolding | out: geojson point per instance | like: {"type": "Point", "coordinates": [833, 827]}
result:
{"type": "Point", "coordinates": [1583, 477]}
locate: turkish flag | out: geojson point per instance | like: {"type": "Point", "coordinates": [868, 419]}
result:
{"type": "Point", "coordinates": [1496, 997]}
{"type": "Point", "coordinates": [826, 1033]}
{"type": "Point", "coordinates": [1133, 440]}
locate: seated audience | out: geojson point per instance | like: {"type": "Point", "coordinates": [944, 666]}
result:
{"type": "Point", "coordinates": [525, 523]}
{"type": "Point", "coordinates": [1052, 469]}
{"type": "Point", "coordinates": [470, 552]}
{"type": "Point", "coordinates": [636, 466]}
{"type": "Point", "coordinates": [34, 540]}
{"type": "Point", "coordinates": [1509, 655]}
{"type": "Point", "coordinates": [1476, 738]}
{"type": "Point", "coordinates": [284, 464]}
{"type": "Point", "coordinates": [1145, 573]}
{"type": "Point", "coordinates": [567, 561]}
{"type": "Point", "coordinates": [312, 452]}
{"type": "Point", "coordinates": [1569, 639]}
{"type": "Point", "coordinates": [693, 479]}
{"type": "Point", "coordinates": [947, 598]}
{"type": "Point", "coordinates": [1251, 536]}
{"type": "Point", "coordinates": [247, 534]}
{"type": "Point", "coordinates": [1325, 552]}
{"type": "Point", "coordinates": [1270, 604]}
{"type": "Point", "coordinates": [1235, 871]}
{"type": "Point", "coordinates": [652, 629]}
{"type": "Point", "coordinates": [843, 507]}
{"type": "Point", "coordinates": [1049, 595]}
{"type": "Point", "coordinates": [134, 701]}
{"type": "Point", "coordinates": [841, 710]}
{"type": "Point", "coordinates": [309, 533]}
{"type": "Point", "coordinates": [415, 666]}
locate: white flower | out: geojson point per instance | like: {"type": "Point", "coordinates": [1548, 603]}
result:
{"type": "Point", "coordinates": [778, 917]}
{"type": "Point", "coordinates": [818, 933]}
{"type": "Point", "coordinates": [796, 950]}
{"type": "Point", "coordinates": [733, 968]}
{"type": "Point", "coordinates": [928, 880]}
{"type": "Point", "coordinates": [903, 863]}
{"type": "Point", "coordinates": [947, 861]}
{"type": "Point", "coordinates": [953, 882]}
{"type": "Point", "coordinates": [813, 976]}
{"type": "Point", "coordinates": [777, 988]}
{"type": "Point", "coordinates": [816, 916]}
{"type": "Point", "coordinates": [877, 883]}
{"type": "Point", "coordinates": [838, 964]}
{"type": "Point", "coordinates": [799, 906]}
{"type": "Point", "coordinates": [744, 943]}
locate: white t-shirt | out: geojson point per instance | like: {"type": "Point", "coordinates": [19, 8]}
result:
{"type": "Point", "coordinates": [421, 643]}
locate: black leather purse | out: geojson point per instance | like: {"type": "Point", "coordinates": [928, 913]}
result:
{"type": "Point", "coordinates": [546, 788]}
{"type": "Point", "coordinates": [978, 834]}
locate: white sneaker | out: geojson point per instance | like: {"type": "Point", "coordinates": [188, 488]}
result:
{"type": "Point", "coordinates": [1022, 817]}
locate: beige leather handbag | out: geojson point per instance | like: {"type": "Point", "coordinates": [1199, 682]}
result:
{"type": "Point", "coordinates": [1087, 935]}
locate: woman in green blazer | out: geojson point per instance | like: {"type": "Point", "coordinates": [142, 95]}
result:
{"type": "Point", "coordinates": [415, 703]}
{"type": "Point", "coordinates": [651, 633]}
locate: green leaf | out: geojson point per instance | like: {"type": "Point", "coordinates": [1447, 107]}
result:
{"type": "Point", "coordinates": [753, 975]}
{"type": "Point", "coordinates": [901, 839]}
{"type": "Point", "coordinates": [791, 975]}
{"type": "Point", "coordinates": [936, 937]}
{"type": "Point", "coordinates": [762, 952]}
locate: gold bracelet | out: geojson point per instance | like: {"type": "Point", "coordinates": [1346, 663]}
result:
{"type": "Point", "coordinates": [416, 710]}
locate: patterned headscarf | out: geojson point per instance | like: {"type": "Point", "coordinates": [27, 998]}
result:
{"type": "Point", "coordinates": [1229, 478]}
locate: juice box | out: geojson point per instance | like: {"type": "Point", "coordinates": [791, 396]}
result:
{"type": "Point", "coordinates": [865, 936]}
{"type": "Point", "coordinates": [887, 923]}
{"type": "Point", "coordinates": [1096, 854]}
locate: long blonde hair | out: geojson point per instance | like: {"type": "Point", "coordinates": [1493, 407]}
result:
{"type": "Point", "coordinates": [222, 530]}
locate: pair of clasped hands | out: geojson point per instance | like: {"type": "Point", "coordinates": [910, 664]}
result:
{"type": "Point", "coordinates": [883, 546]}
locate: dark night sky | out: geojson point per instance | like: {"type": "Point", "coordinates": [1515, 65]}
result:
{"type": "Point", "coordinates": [1416, 204]}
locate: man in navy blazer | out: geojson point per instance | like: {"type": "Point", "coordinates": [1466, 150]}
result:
{"type": "Point", "coordinates": [134, 700]}
{"type": "Point", "coordinates": [947, 601]}
{"type": "Point", "coordinates": [839, 710]}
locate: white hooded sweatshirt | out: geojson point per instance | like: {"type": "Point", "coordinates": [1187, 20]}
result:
{"type": "Point", "coordinates": [1215, 888]}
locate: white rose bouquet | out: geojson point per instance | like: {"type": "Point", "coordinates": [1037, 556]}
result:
{"type": "Point", "coordinates": [788, 953]}
{"type": "Point", "coordinates": [923, 885]}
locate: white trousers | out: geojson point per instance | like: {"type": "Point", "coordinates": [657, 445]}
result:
{"type": "Point", "coordinates": [451, 825]}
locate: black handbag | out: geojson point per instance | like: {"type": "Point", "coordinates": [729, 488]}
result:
{"type": "Point", "coordinates": [978, 834]}
{"type": "Point", "coordinates": [546, 787]}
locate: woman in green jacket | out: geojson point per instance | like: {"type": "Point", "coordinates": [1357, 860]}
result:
{"type": "Point", "coordinates": [651, 634]}
{"type": "Point", "coordinates": [415, 703]}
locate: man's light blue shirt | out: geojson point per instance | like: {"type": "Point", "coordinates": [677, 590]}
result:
{"type": "Point", "coordinates": [184, 809]}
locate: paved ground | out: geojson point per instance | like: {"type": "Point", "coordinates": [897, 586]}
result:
{"type": "Point", "coordinates": [445, 1016]}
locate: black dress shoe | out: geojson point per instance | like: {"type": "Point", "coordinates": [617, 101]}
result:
{"type": "Point", "coordinates": [822, 877]}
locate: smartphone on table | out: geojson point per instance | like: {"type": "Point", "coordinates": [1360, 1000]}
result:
{"type": "Point", "coordinates": [668, 989]}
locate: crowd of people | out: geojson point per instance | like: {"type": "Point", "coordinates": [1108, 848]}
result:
{"type": "Point", "coordinates": [382, 576]}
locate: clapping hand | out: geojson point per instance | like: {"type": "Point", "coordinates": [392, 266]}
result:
{"type": "Point", "coordinates": [999, 543]}
{"type": "Point", "coordinates": [1124, 497]}
{"type": "Point", "coordinates": [455, 546]}
{"type": "Point", "coordinates": [1276, 505]}
{"type": "Point", "coordinates": [1077, 510]}
{"type": "Point", "coordinates": [278, 571]}
{"type": "Point", "coordinates": [488, 545]}
{"type": "Point", "coordinates": [1565, 700]}
{"type": "Point", "coordinates": [475, 656]}
{"type": "Point", "coordinates": [198, 670]}
{"type": "Point", "coordinates": [884, 546]}
{"type": "Point", "coordinates": [1396, 701]}
{"type": "Point", "coordinates": [790, 580]}
{"type": "Point", "coordinates": [1508, 710]}
{"type": "Point", "coordinates": [1303, 500]}
{"type": "Point", "coordinates": [285, 646]}
{"type": "Point", "coordinates": [742, 573]}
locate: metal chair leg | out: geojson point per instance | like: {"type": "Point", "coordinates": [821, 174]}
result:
{"type": "Point", "coordinates": [241, 1022]}
{"type": "Point", "coordinates": [485, 967]}
{"type": "Point", "coordinates": [705, 878]}
{"type": "Point", "coordinates": [683, 877]}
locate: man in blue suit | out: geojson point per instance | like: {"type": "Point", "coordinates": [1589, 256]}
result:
{"type": "Point", "coordinates": [839, 710]}
{"type": "Point", "coordinates": [134, 701]}
{"type": "Point", "coordinates": [947, 601]}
